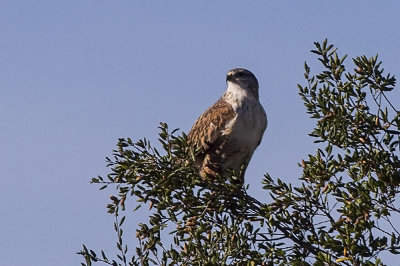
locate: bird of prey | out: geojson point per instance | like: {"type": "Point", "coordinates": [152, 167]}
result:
{"type": "Point", "coordinates": [229, 131]}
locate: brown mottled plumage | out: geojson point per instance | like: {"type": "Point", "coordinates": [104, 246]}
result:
{"type": "Point", "coordinates": [231, 129]}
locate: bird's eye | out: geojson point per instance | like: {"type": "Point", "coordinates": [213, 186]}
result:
{"type": "Point", "coordinates": [240, 74]}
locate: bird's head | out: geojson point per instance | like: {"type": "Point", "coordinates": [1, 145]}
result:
{"type": "Point", "coordinates": [243, 78]}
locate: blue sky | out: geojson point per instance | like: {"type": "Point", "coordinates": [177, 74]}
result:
{"type": "Point", "coordinates": [76, 75]}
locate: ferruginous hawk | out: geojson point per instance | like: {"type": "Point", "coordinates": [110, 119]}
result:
{"type": "Point", "coordinates": [230, 130]}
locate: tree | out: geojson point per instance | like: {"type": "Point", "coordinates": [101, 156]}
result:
{"type": "Point", "coordinates": [342, 213]}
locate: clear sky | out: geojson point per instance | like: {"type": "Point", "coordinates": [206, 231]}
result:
{"type": "Point", "coordinates": [76, 75]}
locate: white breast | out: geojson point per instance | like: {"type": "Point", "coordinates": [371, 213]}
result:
{"type": "Point", "coordinates": [249, 125]}
{"type": "Point", "coordinates": [246, 130]}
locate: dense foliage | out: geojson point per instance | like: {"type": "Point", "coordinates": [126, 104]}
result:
{"type": "Point", "coordinates": [343, 213]}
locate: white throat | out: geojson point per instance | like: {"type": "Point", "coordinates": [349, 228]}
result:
{"type": "Point", "coordinates": [236, 95]}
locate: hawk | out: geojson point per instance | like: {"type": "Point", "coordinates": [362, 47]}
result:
{"type": "Point", "coordinates": [229, 131]}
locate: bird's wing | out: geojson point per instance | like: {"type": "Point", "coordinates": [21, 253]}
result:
{"type": "Point", "coordinates": [210, 125]}
{"type": "Point", "coordinates": [265, 124]}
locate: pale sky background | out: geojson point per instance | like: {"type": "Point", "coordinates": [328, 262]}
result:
{"type": "Point", "coordinates": [76, 75]}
